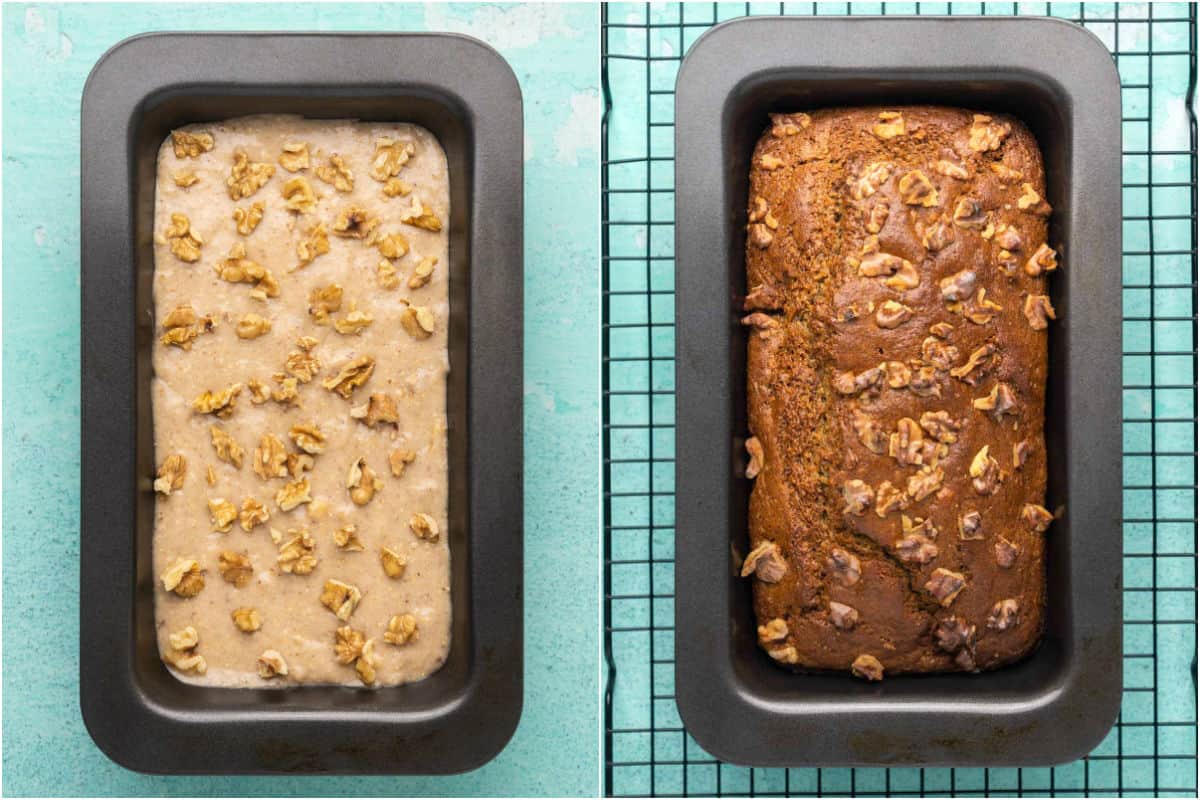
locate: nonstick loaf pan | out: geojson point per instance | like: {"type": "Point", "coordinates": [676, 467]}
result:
{"type": "Point", "coordinates": [467, 96]}
{"type": "Point", "coordinates": [1060, 701]}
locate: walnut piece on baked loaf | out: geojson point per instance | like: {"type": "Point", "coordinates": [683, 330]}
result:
{"type": "Point", "coordinates": [897, 308]}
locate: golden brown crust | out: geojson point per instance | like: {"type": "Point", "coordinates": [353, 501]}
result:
{"type": "Point", "coordinates": [871, 234]}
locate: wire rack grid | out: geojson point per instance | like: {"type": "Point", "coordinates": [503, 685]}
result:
{"type": "Point", "coordinates": [1152, 749]}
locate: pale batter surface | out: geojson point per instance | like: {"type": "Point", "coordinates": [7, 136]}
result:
{"type": "Point", "coordinates": [259, 566]}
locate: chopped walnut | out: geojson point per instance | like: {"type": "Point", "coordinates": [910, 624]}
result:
{"type": "Point", "coordinates": [760, 235]}
{"type": "Point", "coordinates": [999, 401]}
{"type": "Point", "coordinates": [191, 145]}
{"type": "Point", "coordinates": [892, 314]}
{"type": "Point", "coordinates": [1038, 311]}
{"type": "Point", "coordinates": [171, 474]}
{"type": "Point", "coordinates": [784, 125]}
{"type": "Point", "coordinates": [299, 195]}
{"type": "Point", "coordinates": [760, 322]}
{"type": "Point", "coordinates": [940, 426]}
{"type": "Point", "coordinates": [393, 563]}
{"type": "Point", "coordinates": [270, 458]}
{"type": "Point", "coordinates": [348, 644]}
{"type": "Point", "coordinates": [247, 218]}
{"type": "Point", "coordinates": [222, 514]}
{"type": "Point", "coordinates": [858, 496]}
{"type": "Point", "coordinates": [981, 310]}
{"type": "Point", "coordinates": [985, 472]}
{"type": "Point", "coordinates": [916, 547]}
{"type": "Point", "coordinates": [340, 598]}
{"type": "Point", "coordinates": [365, 666]}
{"type": "Point", "coordinates": [942, 330]}
{"type": "Point", "coordinates": [784, 655]}
{"type": "Point", "coordinates": [418, 322]}
{"type": "Point", "coordinates": [1036, 517]}
{"type": "Point", "coordinates": [181, 327]}
{"type": "Point", "coordinates": [184, 578]}
{"type": "Point", "coordinates": [898, 374]}
{"type": "Point", "coordinates": [905, 278]}
{"type": "Point", "coordinates": [315, 243]}
{"type": "Point", "coordinates": [843, 567]}
{"type": "Point", "coordinates": [184, 242]}
{"type": "Point", "coordinates": [878, 264]}
{"type": "Point", "coordinates": [346, 538]}
{"type": "Point", "coordinates": [924, 483]}
{"type": "Point", "coordinates": [210, 475]}
{"type": "Point", "coordinates": [323, 301]}
{"type": "Point", "coordinates": [422, 272]}
{"type": "Point", "coordinates": [938, 236]}
{"type": "Point", "coordinates": [843, 617]}
{"type": "Point", "coordinates": [1005, 173]}
{"type": "Point", "coordinates": [765, 563]}
{"type": "Point", "coordinates": [755, 451]}
{"type": "Point", "coordinates": [868, 667]}
{"type": "Point", "coordinates": [336, 174]}
{"type": "Point", "coordinates": [916, 190]}
{"type": "Point", "coordinates": [869, 380]}
{"type": "Point", "coordinates": [185, 178]}
{"type": "Point", "coordinates": [1004, 615]}
{"type": "Point", "coordinates": [235, 567]}
{"type": "Point", "coordinates": [870, 433]}
{"type": "Point", "coordinates": [958, 287]}
{"type": "Point", "coordinates": [890, 125]}
{"type": "Point", "coordinates": [354, 222]}
{"type": "Point", "coordinates": [924, 382]}
{"type": "Point", "coordinates": [945, 585]}
{"type": "Point", "coordinates": [354, 323]}
{"type": "Point", "coordinates": [362, 482]}
{"type": "Point", "coordinates": [258, 392]}
{"type": "Point", "coordinates": [399, 459]}
{"type": "Point", "coordinates": [969, 213]}
{"type": "Point", "coordinates": [770, 163]}
{"type": "Point", "coordinates": [1006, 553]}
{"type": "Point", "coordinates": [293, 494]}
{"type": "Point", "coordinates": [951, 170]}
{"type": "Point", "coordinates": [393, 245]}
{"type": "Point", "coordinates": [888, 498]}
{"type": "Point", "coordinates": [308, 437]}
{"type": "Point", "coordinates": [386, 275]}
{"type": "Point", "coordinates": [1008, 238]}
{"type": "Point", "coordinates": [236, 268]}
{"type": "Point", "coordinates": [421, 216]}
{"type": "Point", "coordinates": [870, 179]}
{"type": "Point", "coordinates": [937, 354]}
{"type": "Point", "coordinates": [906, 445]}
{"type": "Point", "coordinates": [986, 134]}
{"type": "Point", "coordinates": [351, 376]}
{"type": "Point", "coordinates": [252, 326]}
{"type": "Point", "coordinates": [955, 636]}
{"type": "Point", "coordinates": [394, 187]}
{"type": "Point", "coordinates": [1020, 453]}
{"type": "Point", "coordinates": [775, 630]}
{"type": "Point", "coordinates": [1029, 197]}
{"type": "Point", "coordinates": [401, 630]}
{"type": "Point", "coordinates": [253, 514]}
{"type": "Point", "coordinates": [979, 359]}
{"type": "Point", "coordinates": [298, 464]}
{"type": "Point", "coordinates": [1044, 259]}
{"type": "Point", "coordinates": [271, 665]}
{"type": "Point", "coordinates": [294, 157]}
{"type": "Point", "coordinates": [247, 176]}
{"type": "Point", "coordinates": [424, 527]}
{"type": "Point", "coordinates": [187, 661]}
{"type": "Point", "coordinates": [296, 555]}
{"type": "Point", "coordinates": [877, 217]}
{"type": "Point", "coordinates": [184, 639]}
{"type": "Point", "coordinates": [390, 157]}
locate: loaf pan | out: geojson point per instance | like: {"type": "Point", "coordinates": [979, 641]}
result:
{"type": "Point", "coordinates": [467, 96]}
{"type": "Point", "coordinates": [1060, 701]}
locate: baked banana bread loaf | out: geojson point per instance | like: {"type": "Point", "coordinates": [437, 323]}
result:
{"type": "Point", "coordinates": [896, 272]}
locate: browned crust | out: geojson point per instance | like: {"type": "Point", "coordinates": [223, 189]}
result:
{"type": "Point", "coordinates": [803, 281]}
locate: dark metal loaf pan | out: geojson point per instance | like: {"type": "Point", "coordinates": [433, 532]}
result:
{"type": "Point", "coordinates": [462, 715]}
{"type": "Point", "coordinates": [1060, 701]}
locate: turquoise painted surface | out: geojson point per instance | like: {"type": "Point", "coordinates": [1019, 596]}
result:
{"type": "Point", "coordinates": [1154, 747]}
{"type": "Point", "coordinates": [48, 52]}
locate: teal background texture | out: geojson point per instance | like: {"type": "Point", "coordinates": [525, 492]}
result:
{"type": "Point", "coordinates": [48, 53]}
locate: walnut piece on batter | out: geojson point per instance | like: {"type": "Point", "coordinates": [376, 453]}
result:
{"type": "Point", "coordinates": [296, 555]}
{"type": "Point", "coordinates": [401, 630]}
{"type": "Point", "coordinates": [191, 145]}
{"type": "Point", "coordinates": [340, 598]}
{"type": "Point", "coordinates": [424, 527]}
{"type": "Point", "coordinates": [394, 564]}
{"type": "Point", "coordinates": [351, 376]}
{"type": "Point", "coordinates": [184, 577]}
{"type": "Point", "coordinates": [171, 474]}
{"type": "Point", "coordinates": [362, 482]}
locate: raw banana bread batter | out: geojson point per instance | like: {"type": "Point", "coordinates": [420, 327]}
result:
{"type": "Point", "coordinates": [299, 399]}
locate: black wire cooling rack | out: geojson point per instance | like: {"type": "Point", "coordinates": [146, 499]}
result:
{"type": "Point", "coordinates": [1152, 749]}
